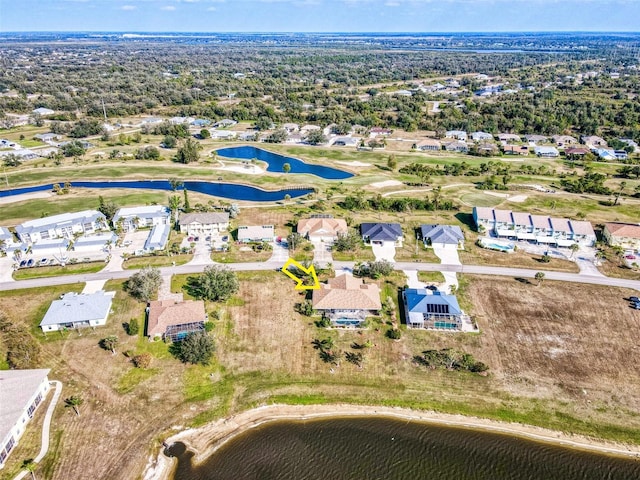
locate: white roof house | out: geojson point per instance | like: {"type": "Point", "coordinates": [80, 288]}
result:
{"type": "Point", "coordinates": [63, 225]}
{"type": "Point", "coordinates": [157, 238]}
{"type": "Point", "coordinates": [78, 310]}
{"type": "Point", "coordinates": [255, 233]}
{"type": "Point", "coordinates": [43, 111]}
{"type": "Point", "coordinates": [145, 216]}
{"type": "Point", "coordinates": [8, 240]}
{"type": "Point", "coordinates": [21, 392]}
{"type": "Point", "coordinates": [548, 152]}
{"type": "Point", "coordinates": [457, 134]}
{"type": "Point", "coordinates": [95, 243]}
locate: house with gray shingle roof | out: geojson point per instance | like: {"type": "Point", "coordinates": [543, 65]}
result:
{"type": "Point", "coordinates": [21, 392]}
{"type": "Point", "coordinates": [347, 301]}
{"type": "Point", "coordinates": [381, 233]}
{"type": "Point", "coordinates": [78, 310]}
{"type": "Point", "coordinates": [440, 235]}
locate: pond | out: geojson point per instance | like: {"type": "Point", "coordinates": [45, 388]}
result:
{"type": "Point", "coordinates": [276, 161]}
{"type": "Point", "coordinates": [231, 191]}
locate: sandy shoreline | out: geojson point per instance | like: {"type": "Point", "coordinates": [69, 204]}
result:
{"type": "Point", "coordinates": [205, 440]}
{"type": "Point", "coordinates": [24, 196]}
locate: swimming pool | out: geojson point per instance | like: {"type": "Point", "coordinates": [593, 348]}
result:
{"type": "Point", "coordinates": [347, 322]}
{"type": "Point", "coordinates": [276, 162]}
{"type": "Point", "coordinates": [508, 248]}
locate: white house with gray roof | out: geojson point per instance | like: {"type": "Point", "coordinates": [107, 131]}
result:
{"type": "Point", "coordinates": [21, 392]}
{"type": "Point", "coordinates": [132, 218]}
{"type": "Point", "coordinates": [78, 310]}
{"type": "Point", "coordinates": [441, 235]}
{"type": "Point", "coordinates": [65, 225]}
{"type": "Point", "coordinates": [157, 239]}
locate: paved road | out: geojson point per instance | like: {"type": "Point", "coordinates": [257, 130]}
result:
{"type": "Point", "coordinates": [272, 265]}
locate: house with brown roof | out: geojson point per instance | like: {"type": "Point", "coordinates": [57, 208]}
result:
{"type": "Point", "coordinates": [347, 301]}
{"type": "Point", "coordinates": [626, 235]}
{"type": "Point", "coordinates": [515, 149]}
{"type": "Point", "coordinates": [203, 223]}
{"type": "Point", "coordinates": [322, 228]}
{"type": "Point", "coordinates": [564, 140]}
{"type": "Point", "coordinates": [174, 320]}
{"type": "Point", "coordinates": [429, 144]}
{"type": "Point", "coordinates": [509, 137]}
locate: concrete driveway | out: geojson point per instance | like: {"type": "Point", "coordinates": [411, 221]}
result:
{"type": "Point", "coordinates": [202, 253]}
{"type": "Point", "coordinates": [280, 253]}
{"type": "Point", "coordinates": [448, 254]}
{"type": "Point", "coordinates": [321, 252]}
{"type": "Point", "coordinates": [386, 251]}
{"type": "Point", "coordinates": [6, 268]}
{"type": "Point", "coordinates": [412, 279]}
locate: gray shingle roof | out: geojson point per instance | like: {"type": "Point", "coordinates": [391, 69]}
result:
{"type": "Point", "coordinates": [208, 218]}
{"type": "Point", "coordinates": [78, 307]}
{"type": "Point", "coordinates": [381, 231]}
{"type": "Point", "coordinates": [447, 234]}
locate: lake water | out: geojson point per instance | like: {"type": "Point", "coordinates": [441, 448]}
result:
{"type": "Point", "coordinates": [388, 449]}
{"type": "Point", "coordinates": [224, 190]}
{"type": "Point", "coordinates": [276, 162]}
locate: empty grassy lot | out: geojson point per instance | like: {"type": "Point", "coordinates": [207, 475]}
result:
{"type": "Point", "coordinates": [57, 270]}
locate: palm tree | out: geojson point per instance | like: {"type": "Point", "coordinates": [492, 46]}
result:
{"type": "Point", "coordinates": [574, 248]}
{"type": "Point", "coordinates": [540, 277]}
{"type": "Point", "coordinates": [174, 205]}
{"type": "Point", "coordinates": [355, 358]}
{"type": "Point", "coordinates": [110, 343]}
{"type": "Point", "coordinates": [623, 185]}
{"type": "Point", "coordinates": [30, 466]}
{"type": "Point", "coordinates": [74, 401]}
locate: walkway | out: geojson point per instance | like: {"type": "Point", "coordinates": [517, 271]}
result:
{"type": "Point", "coordinates": [164, 292]}
{"type": "Point", "coordinates": [46, 428]}
{"type": "Point", "coordinates": [386, 251]}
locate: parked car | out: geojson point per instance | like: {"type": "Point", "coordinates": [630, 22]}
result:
{"type": "Point", "coordinates": [634, 299]}
{"type": "Point", "coordinates": [636, 306]}
{"type": "Point", "coordinates": [30, 262]}
{"type": "Point", "coordinates": [43, 261]}
{"type": "Point", "coordinates": [23, 263]}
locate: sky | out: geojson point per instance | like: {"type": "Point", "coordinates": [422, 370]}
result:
{"type": "Point", "coordinates": [319, 15]}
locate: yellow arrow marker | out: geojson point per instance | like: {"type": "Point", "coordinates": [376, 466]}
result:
{"type": "Point", "coordinates": [309, 271]}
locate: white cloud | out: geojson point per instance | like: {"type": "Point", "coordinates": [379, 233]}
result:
{"type": "Point", "coordinates": [168, 8]}
{"type": "Point", "coordinates": [128, 7]}
{"type": "Point", "coordinates": [211, 9]}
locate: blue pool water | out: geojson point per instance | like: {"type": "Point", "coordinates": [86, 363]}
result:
{"type": "Point", "coordinates": [347, 322]}
{"type": "Point", "coordinates": [495, 246]}
{"type": "Point", "coordinates": [276, 161]}
{"type": "Point", "coordinates": [225, 190]}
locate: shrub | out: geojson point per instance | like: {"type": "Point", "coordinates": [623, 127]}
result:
{"type": "Point", "coordinates": [132, 327]}
{"type": "Point", "coordinates": [393, 334]}
{"type": "Point", "coordinates": [142, 360]}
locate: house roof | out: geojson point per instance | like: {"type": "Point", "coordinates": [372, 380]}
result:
{"type": "Point", "coordinates": [509, 136]}
{"type": "Point", "coordinates": [208, 218]}
{"type": "Point", "coordinates": [521, 218]}
{"type": "Point", "coordinates": [16, 389]}
{"type": "Point", "coordinates": [428, 142]}
{"type": "Point", "coordinates": [59, 243]}
{"type": "Point", "coordinates": [481, 136]}
{"type": "Point", "coordinates": [483, 213]}
{"type": "Point", "coordinates": [515, 148]}
{"type": "Point", "coordinates": [98, 240]}
{"type": "Point", "coordinates": [544, 150]}
{"type": "Point", "coordinates": [165, 313]}
{"type": "Point", "coordinates": [576, 151]}
{"type": "Point", "coordinates": [503, 215]}
{"type": "Point", "coordinates": [347, 292]}
{"type": "Point", "coordinates": [381, 231]}
{"type": "Point", "coordinates": [628, 230]}
{"type": "Point", "coordinates": [446, 234]}
{"type": "Point", "coordinates": [5, 234]}
{"type": "Point", "coordinates": [540, 221]}
{"type": "Point", "coordinates": [582, 227]}
{"type": "Point", "coordinates": [78, 307]}
{"type": "Point", "coordinates": [147, 211]}
{"type": "Point", "coordinates": [63, 219]}
{"type": "Point", "coordinates": [248, 232]}
{"type": "Point", "coordinates": [158, 237]}
{"type": "Point", "coordinates": [322, 226]}
{"type": "Point", "coordinates": [560, 225]}
{"type": "Point", "coordinates": [536, 138]}
{"type": "Point", "coordinates": [418, 301]}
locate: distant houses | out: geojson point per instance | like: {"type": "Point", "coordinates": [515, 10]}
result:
{"type": "Point", "coordinates": [625, 235]}
{"type": "Point", "coordinates": [65, 225]}
{"type": "Point", "coordinates": [546, 151]}
{"type": "Point", "coordinates": [173, 320]}
{"type": "Point", "coordinates": [21, 392]}
{"type": "Point", "coordinates": [78, 310]}
{"type": "Point", "coordinates": [322, 228]}
{"type": "Point", "coordinates": [382, 234]}
{"type": "Point", "coordinates": [535, 228]}
{"type": "Point", "coordinates": [347, 301]}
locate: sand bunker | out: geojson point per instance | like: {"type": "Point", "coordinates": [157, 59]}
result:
{"type": "Point", "coordinates": [387, 183]}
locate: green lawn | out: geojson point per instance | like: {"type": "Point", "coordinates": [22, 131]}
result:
{"type": "Point", "coordinates": [156, 261]}
{"type": "Point", "coordinates": [57, 270]}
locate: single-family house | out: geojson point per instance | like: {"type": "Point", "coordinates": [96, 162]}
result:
{"type": "Point", "coordinates": [509, 137]}
{"type": "Point", "coordinates": [621, 154]}
{"type": "Point", "coordinates": [295, 139]}
{"type": "Point", "coordinates": [180, 120]}
{"type": "Point", "coordinates": [158, 237]}
{"type": "Point", "coordinates": [322, 228]}
{"type": "Point", "coordinates": [593, 141]}
{"type": "Point", "coordinates": [564, 140]}
{"type": "Point", "coordinates": [481, 137]}
{"type": "Point", "coordinates": [173, 320]}
{"type": "Point", "coordinates": [78, 310]}
{"type": "Point", "coordinates": [574, 152]}
{"type": "Point", "coordinates": [456, 135]}
{"type": "Point", "coordinates": [441, 235]}
{"type": "Point", "coordinates": [630, 142]}
{"type": "Point", "coordinates": [626, 235]}
{"type": "Point", "coordinates": [65, 225]}
{"type": "Point", "coordinates": [43, 111]}
{"type": "Point", "coordinates": [546, 151]}
{"type": "Point", "coordinates": [515, 149]}
{"type": "Point", "coordinates": [457, 146]}
{"type": "Point", "coordinates": [291, 127]}
{"type": "Point", "coordinates": [222, 134]}
{"type": "Point", "coordinates": [207, 223]}
{"type": "Point", "coordinates": [255, 233]}
{"type": "Point", "coordinates": [100, 243]}
{"type": "Point", "coordinates": [227, 122]}
{"type": "Point", "coordinates": [47, 137]}
{"type": "Point", "coordinates": [23, 153]}
{"type": "Point", "coordinates": [21, 392]}
{"type": "Point", "coordinates": [131, 218]}
{"type": "Point", "coordinates": [381, 234]}
{"type": "Point", "coordinates": [605, 153]}
{"type": "Point", "coordinates": [432, 310]}
{"type": "Point", "coordinates": [429, 144]}
{"type": "Point", "coordinates": [486, 149]}
{"type": "Point", "coordinates": [200, 122]}
{"type": "Point", "coordinates": [309, 128]}
{"type": "Point", "coordinates": [346, 300]}
{"type": "Point", "coordinates": [375, 131]}
{"type": "Point", "coordinates": [346, 141]}
{"type": "Point", "coordinates": [533, 138]}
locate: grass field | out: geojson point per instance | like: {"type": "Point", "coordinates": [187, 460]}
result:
{"type": "Point", "coordinates": [156, 261]}
{"type": "Point", "coordinates": [55, 271]}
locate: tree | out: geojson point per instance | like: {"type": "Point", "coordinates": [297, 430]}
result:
{"type": "Point", "coordinates": [306, 308]}
{"type": "Point", "coordinates": [189, 151]}
{"type": "Point", "coordinates": [74, 401]}
{"type": "Point", "coordinates": [144, 284]}
{"type": "Point", "coordinates": [393, 334]}
{"type": "Point", "coordinates": [623, 185]}
{"type": "Point", "coordinates": [133, 327]}
{"type": "Point", "coordinates": [169, 141]}
{"type": "Point", "coordinates": [540, 277]}
{"type": "Point", "coordinates": [316, 137]}
{"type": "Point", "coordinates": [355, 358]}
{"type": "Point", "coordinates": [30, 466]}
{"type": "Point", "coordinates": [574, 249]}
{"type": "Point", "coordinates": [392, 163]}
{"type": "Point", "coordinates": [197, 347]}
{"type": "Point", "coordinates": [215, 284]}
{"type": "Point", "coordinates": [205, 133]}
{"type": "Point", "coordinates": [142, 360]}
{"type": "Point", "coordinates": [286, 168]}
{"type": "Point", "coordinates": [108, 209]}
{"type": "Point", "coordinates": [73, 149]}
{"type": "Point", "coordinates": [174, 205]}
{"type": "Point", "coordinates": [109, 343]}
{"type": "Point", "coordinates": [279, 136]}
{"type": "Point", "coordinates": [175, 183]}
{"type": "Point", "coordinates": [11, 160]}
{"type": "Point", "coordinates": [186, 205]}
{"type": "Point", "coordinates": [23, 350]}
